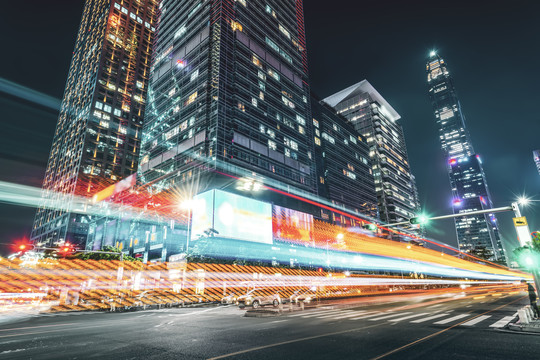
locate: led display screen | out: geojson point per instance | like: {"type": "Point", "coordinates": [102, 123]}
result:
{"type": "Point", "coordinates": [232, 216]}
{"type": "Point", "coordinates": [292, 225]}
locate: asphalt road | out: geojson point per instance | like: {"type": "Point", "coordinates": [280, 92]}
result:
{"type": "Point", "coordinates": [417, 328]}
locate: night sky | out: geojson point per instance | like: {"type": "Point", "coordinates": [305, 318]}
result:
{"type": "Point", "coordinates": [492, 49]}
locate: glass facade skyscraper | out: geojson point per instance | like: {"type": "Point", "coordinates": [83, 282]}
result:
{"type": "Point", "coordinates": [377, 121]}
{"type": "Point", "coordinates": [477, 234]}
{"type": "Point", "coordinates": [228, 94]}
{"type": "Point", "coordinates": [97, 138]}
{"type": "Point", "coordinates": [344, 174]}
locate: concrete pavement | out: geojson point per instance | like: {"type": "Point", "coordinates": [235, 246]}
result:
{"type": "Point", "coordinates": [459, 328]}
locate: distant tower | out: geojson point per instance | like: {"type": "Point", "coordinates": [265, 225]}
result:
{"type": "Point", "coordinates": [476, 234]}
{"type": "Point", "coordinates": [97, 138]}
{"type": "Point", "coordinates": [536, 157]}
{"type": "Point", "coordinates": [377, 121]}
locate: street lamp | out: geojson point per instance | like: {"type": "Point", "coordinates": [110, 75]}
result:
{"type": "Point", "coordinates": [187, 205]}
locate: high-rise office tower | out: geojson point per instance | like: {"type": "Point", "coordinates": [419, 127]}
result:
{"type": "Point", "coordinates": [536, 157]}
{"type": "Point", "coordinates": [228, 94]}
{"type": "Point", "coordinates": [377, 122]}
{"type": "Point", "coordinates": [97, 138]}
{"type": "Point", "coordinates": [344, 174]}
{"type": "Point", "coordinates": [477, 234]}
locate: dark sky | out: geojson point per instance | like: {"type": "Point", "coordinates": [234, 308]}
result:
{"type": "Point", "coordinates": [492, 49]}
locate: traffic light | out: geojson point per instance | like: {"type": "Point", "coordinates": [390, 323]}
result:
{"type": "Point", "coordinates": [370, 227]}
{"type": "Point", "coordinates": [66, 250]}
{"type": "Point", "coordinates": [23, 247]}
{"type": "Point", "coordinates": [419, 220]}
{"type": "Point", "coordinates": [529, 259]}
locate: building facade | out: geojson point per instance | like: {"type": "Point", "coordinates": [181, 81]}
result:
{"type": "Point", "coordinates": [477, 234]}
{"type": "Point", "coordinates": [377, 122]}
{"type": "Point", "coordinates": [98, 135]}
{"type": "Point", "coordinates": [228, 95]}
{"type": "Point", "coordinates": [344, 174]}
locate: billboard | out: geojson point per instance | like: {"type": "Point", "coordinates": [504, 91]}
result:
{"type": "Point", "coordinates": [231, 216]}
{"type": "Point", "coordinates": [292, 225]}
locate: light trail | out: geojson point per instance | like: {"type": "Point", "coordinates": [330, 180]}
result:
{"type": "Point", "coordinates": [28, 94]}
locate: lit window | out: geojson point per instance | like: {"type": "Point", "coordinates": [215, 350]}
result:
{"type": "Point", "coordinates": [194, 75]}
{"type": "Point", "coordinates": [273, 74]}
{"type": "Point", "coordinates": [256, 61]}
{"type": "Point", "coordinates": [285, 31]}
{"type": "Point", "coordinates": [191, 99]}
{"type": "Point", "coordinates": [235, 25]}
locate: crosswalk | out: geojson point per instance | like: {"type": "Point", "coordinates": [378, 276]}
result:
{"type": "Point", "coordinates": [432, 316]}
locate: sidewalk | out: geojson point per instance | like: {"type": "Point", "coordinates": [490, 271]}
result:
{"type": "Point", "coordinates": [526, 322]}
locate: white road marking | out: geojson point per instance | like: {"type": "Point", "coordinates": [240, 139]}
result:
{"type": "Point", "coordinates": [365, 316]}
{"type": "Point", "coordinates": [429, 318]}
{"type": "Point", "coordinates": [313, 313]}
{"type": "Point", "coordinates": [336, 314]}
{"type": "Point", "coordinates": [476, 321]}
{"type": "Point", "coordinates": [322, 314]}
{"type": "Point", "coordinates": [356, 313]}
{"type": "Point", "coordinates": [446, 321]}
{"type": "Point", "coordinates": [501, 323]}
{"type": "Point", "coordinates": [389, 316]}
{"type": "Point", "coordinates": [409, 317]}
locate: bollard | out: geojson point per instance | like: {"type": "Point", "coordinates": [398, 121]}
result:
{"type": "Point", "coordinates": [290, 306]}
{"type": "Point", "coordinates": [530, 312]}
{"type": "Point", "coordinates": [523, 318]}
{"type": "Point", "coordinates": [302, 305]}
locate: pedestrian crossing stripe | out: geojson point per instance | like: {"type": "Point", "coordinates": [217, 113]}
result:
{"type": "Point", "coordinates": [368, 315]}
{"type": "Point", "coordinates": [501, 323]}
{"type": "Point", "coordinates": [335, 314]}
{"type": "Point", "coordinates": [390, 316]}
{"type": "Point", "coordinates": [476, 320]}
{"type": "Point", "coordinates": [446, 321]}
{"type": "Point", "coordinates": [356, 313]}
{"type": "Point", "coordinates": [428, 318]}
{"type": "Point", "coordinates": [408, 317]}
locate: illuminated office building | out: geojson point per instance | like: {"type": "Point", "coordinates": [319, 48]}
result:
{"type": "Point", "coordinates": [477, 234]}
{"type": "Point", "coordinates": [344, 174]}
{"type": "Point", "coordinates": [97, 138]}
{"type": "Point", "coordinates": [228, 95]}
{"type": "Point", "coordinates": [377, 121]}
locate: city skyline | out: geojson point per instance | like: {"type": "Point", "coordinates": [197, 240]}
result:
{"type": "Point", "coordinates": [323, 90]}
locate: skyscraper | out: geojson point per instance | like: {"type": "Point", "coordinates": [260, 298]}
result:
{"type": "Point", "coordinates": [228, 94]}
{"type": "Point", "coordinates": [536, 157]}
{"type": "Point", "coordinates": [344, 174]}
{"type": "Point", "coordinates": [477, 234]}
{"type": "Point", "coordinates": [377, 121]}
{"type": "Point", "coordinates": [97, 138]}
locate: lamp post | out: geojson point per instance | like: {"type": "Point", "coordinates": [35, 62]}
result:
{"type": "Point", "coordinates": [188, 204]}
